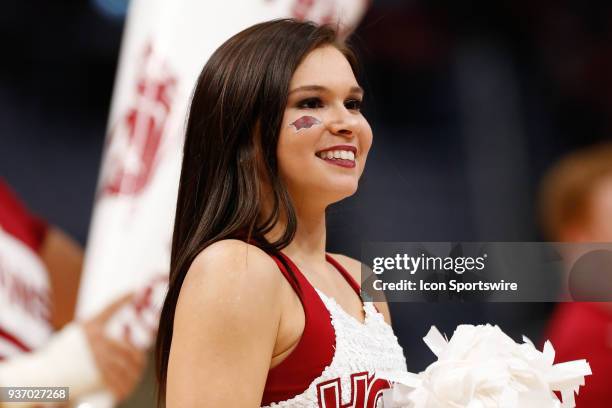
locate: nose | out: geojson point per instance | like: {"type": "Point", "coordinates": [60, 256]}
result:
{"type": "Point", "coordinates": [343, 123]}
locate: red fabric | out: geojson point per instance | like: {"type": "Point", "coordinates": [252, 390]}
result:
{"type": "Point", "coordinates": [344, 273]}
{"type": "Point", "coordinates": [584, 331]}
{"type": "Point", "coordinates": [315, 349]}
{"type": "Point", "coordinates": [347, 276]}
{"type": "Point", "coordinates": [18, 221]}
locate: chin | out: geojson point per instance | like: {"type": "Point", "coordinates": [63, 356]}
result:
{"type": "Point", "coordinates": [340, 192]}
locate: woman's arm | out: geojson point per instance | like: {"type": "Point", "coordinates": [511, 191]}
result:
{"type": "Point", "coordinates": [117, 364]}
{"type": "Point", "coordinates": [63, 258]}
{"type": "Point", "coordinates": [225, 328]}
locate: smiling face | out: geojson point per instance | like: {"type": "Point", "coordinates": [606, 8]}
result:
{"type": "Point", "coordinates": [324, 139]}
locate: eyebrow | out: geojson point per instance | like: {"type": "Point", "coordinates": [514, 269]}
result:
{"type": "Point", "coordinates": [354, 89]}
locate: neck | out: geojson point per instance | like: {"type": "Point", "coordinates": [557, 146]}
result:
{"type": "Point", "coordinates": [308, 244]}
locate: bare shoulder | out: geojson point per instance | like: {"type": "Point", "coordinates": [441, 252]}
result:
{"type": "Point", "coordinates": [229, 305]}
{"type": "Point", "coordinates": [233, 252]}
{"type": "Point", "coordinates": [234, 282]}
{"type": "Point", "coordinates": [233, 266]}
{"type": "Point", "coordinates": [355, 268]}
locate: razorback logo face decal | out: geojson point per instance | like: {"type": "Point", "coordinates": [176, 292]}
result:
{"type": "Point", "coordinates": [305, 122]}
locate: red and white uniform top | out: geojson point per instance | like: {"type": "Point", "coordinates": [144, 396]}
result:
{"type": "Point", "coordinates": [337, 357]}
{"type": "Point", "coordinates": [25, 308]}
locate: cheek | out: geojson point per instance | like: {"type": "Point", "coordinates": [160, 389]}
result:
{"type": "Point", "coordinates": [365, 141]}
{"type": "Point", "coordinates": [296, 144]}
{"type": "Point", "coordinates": [299, 132]}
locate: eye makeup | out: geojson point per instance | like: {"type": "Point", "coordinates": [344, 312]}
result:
{"type": "Point", "coordinates": [310, 103]}
{"type": "Point", "coordinates": [305, 122]}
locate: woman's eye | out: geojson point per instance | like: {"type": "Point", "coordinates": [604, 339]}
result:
{"type": "Point", "coordinates": [310, 103]}
{"type": "Point", "coordinates": [353, 104]}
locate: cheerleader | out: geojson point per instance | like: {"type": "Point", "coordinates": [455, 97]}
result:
{"type": "Point", "coordinates": [257, 312]}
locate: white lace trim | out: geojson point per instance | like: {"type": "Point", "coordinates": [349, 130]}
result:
{"type": "Point", "coordinates": [367, 346]}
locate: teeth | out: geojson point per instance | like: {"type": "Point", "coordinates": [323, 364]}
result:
{"type": "Point", "coordinates": [337, 154]}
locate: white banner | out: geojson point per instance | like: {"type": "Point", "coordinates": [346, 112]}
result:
{"type": "Point", "coordinates": [165, 45]}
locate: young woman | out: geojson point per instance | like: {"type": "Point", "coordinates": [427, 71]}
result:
{"type": "Point", "coordinates": [257, 313]}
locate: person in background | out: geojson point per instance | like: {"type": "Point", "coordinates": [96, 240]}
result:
{"type": "Point", "coordinates": [576, 206]}
{"type": "Point", "coordinates": [40, 343]}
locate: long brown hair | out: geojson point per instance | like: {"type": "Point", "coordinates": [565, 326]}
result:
{"type": "Point", "coordinates": [230, 147]}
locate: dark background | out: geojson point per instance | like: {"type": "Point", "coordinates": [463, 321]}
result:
{"type": "Point", "coordinates": [470, 102]}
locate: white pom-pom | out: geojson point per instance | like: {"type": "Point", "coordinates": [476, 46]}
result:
{"type": "Point", "coordinates": [481, 367]}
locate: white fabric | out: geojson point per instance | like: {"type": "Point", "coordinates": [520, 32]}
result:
{"type": "Point", "coordinates": [65, 361]}
{"type": "Point", "coordinates": [370, 346]}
